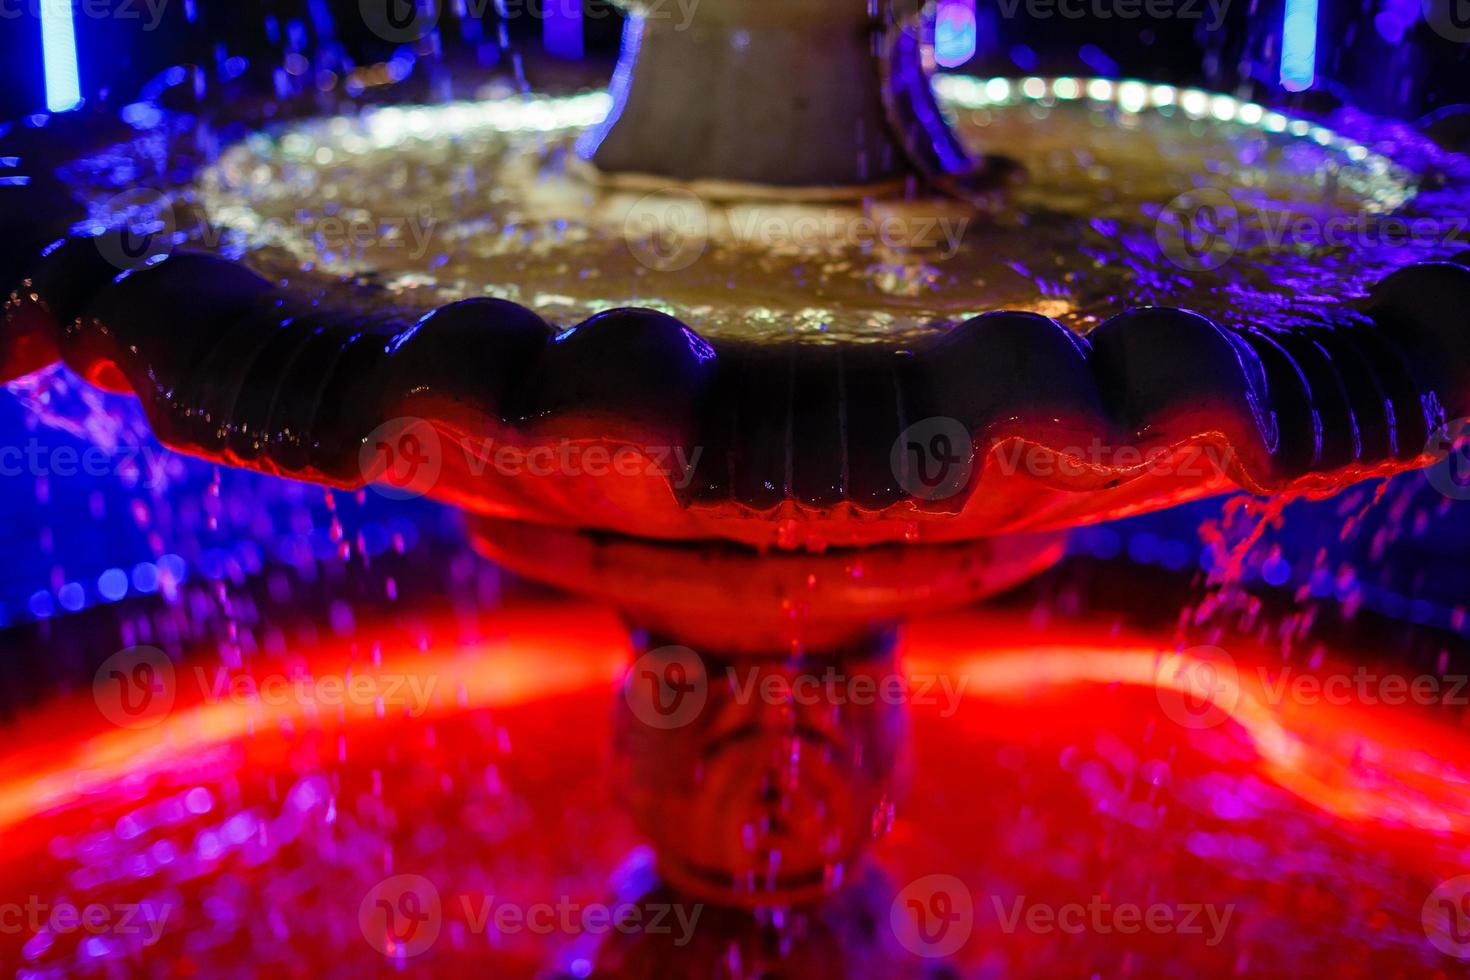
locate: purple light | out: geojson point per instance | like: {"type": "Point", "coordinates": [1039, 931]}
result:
{"type": "Point", "coordinates": [954, 33]}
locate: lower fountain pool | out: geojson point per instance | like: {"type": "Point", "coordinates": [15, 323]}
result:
{"type": "Point", "coordinates": [1062, 799]}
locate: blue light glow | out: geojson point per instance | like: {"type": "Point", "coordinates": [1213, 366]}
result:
{"type": "Point", "coordinates": [145, 577]}
{"type": "Point", "coordinates": [1299, 45]}
{"type": "Point", "coordinates": [59, 48]}
{"type": "Point", "coordinates": [72, 596]}
{"type": "Point", "coordinates": [112, 584]}
{"type": "Point", "coordinates": [561, 28]}
{"type": "Point", "coordinates": [954, 33]}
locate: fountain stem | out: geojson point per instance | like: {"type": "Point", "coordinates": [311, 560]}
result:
{"type": "Point", "coordinates": [782, 96]}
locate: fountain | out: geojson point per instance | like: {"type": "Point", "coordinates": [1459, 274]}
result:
{"type": "Point", "coordinates": [772, 353]}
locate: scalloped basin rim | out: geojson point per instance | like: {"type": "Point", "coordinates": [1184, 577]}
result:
{"type": "Point", "coordinates": [790, 444]}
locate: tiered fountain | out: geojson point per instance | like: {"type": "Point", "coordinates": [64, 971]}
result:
{"type": "Point", "coordinates": [835, 421]}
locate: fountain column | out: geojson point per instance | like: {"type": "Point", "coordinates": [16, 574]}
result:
{"type": "Point", "coordinates": [795, 97]}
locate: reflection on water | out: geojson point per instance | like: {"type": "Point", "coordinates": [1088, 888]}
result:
{"type": "Point", "coordinates": [1076, 808]}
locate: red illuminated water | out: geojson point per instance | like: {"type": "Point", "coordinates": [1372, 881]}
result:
{"type": "Point", "coordinates": [1071, 773]}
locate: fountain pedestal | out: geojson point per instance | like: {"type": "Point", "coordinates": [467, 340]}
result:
{"type": "Point", "coordinates": [762, 782]}
{"type": "Point", "coordinates": [763, 757]}
{"type": "Point", "coordinates": [812, 99]}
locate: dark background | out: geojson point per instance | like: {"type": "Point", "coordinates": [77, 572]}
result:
{"type": "Point", "coordinates": [1380, 54]}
